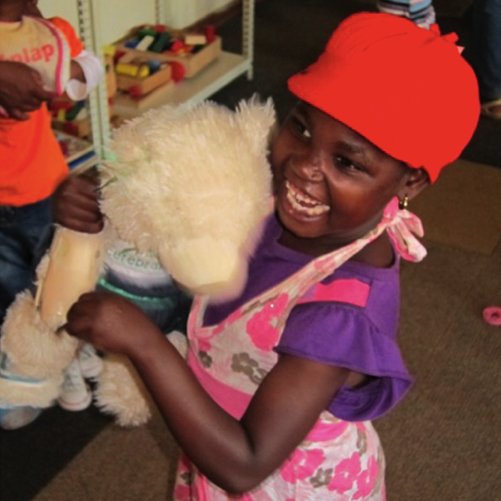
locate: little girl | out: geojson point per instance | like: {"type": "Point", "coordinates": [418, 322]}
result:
{"type": "Point", "coordinates": [275, 399]}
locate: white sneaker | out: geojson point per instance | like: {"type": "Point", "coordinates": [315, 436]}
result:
{"type": "Point", "coordinates": [90, 362]}
{"type": "Point", "coordinates": [75, 393]}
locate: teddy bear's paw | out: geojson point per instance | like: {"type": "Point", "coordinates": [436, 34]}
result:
{"type": "Point", "coordinates": [31, 348]}
{"type": "Point", "coordinates": [121, 392]}
{"type": "Point", "coordinates": [206, 266]}
{"type": "Point", "coordinates": [74, 264]}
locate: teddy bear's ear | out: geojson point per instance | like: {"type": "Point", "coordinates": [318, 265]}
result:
{"type": "Point", "coordinates": [130, 147]}
{"type": "Point", "coordinates": [256, 119]}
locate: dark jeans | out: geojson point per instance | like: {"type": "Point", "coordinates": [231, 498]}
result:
{"type": "Point", "coordinates": [21, 231]}
{"type": "Point", "coordinates": [487, 47]}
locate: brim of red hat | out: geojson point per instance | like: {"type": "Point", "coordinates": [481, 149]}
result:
{"type": "Point", "coordinates": [341, 91]}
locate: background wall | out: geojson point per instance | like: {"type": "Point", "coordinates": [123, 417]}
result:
{"type": "Point", "coordinates": [182, 13]}
{"type": "Point", "coordinates": [113, 18]}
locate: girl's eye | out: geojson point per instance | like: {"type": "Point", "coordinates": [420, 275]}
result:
{"type": "Point", "coordinates": [346, 164]}
{"type": "Point", "coordinates": [300, 128]}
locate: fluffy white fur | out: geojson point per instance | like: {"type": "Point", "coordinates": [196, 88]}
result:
{"type": "Point", "coordinates": [121, 392]}
{"type": "Point", "coordinates": [190, 183]}
{"type": "Point", "coordinates": [43, 353]}
{"type": "Point", "coordinates": [35, 352]}
{"type": "Point", "coordinates": [33, 356]}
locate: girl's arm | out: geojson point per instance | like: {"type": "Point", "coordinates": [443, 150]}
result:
{"type": "Point", "coordinates": [235, 455]}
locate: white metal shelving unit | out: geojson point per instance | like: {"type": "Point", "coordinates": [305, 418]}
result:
{"type": "Point", "coordinates": [225, 69]}
{"type": "Point", "coordinates": [98, 99]}
{"type": "Point", "coordinates": [217, 74]}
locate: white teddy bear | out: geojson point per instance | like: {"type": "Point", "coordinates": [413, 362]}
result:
{"type": "Point", "coordinates": [191, 184]}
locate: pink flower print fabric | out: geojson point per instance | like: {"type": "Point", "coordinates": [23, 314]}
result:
{"type": "Point", "coordinates": [338, 460]}
{"type": "Point", "coordinates": [263, 327]}
{"type": "Point", "coordinates": [367, 479]}
{"type": "Point", "coordinates": [302, 464]}
{"type": "Point", "coordinates": [345, 474]}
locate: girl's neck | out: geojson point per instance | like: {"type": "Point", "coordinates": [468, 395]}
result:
{"type": "Point", "coordinates": [378, 253]}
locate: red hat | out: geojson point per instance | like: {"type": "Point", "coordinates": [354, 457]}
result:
{"type": "Point", "coordinates": [404, 88]}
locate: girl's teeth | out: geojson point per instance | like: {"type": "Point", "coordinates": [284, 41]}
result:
{"type": "Point", "coordinates": [303, 203]}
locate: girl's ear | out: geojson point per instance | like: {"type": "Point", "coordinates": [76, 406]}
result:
{"type": "Point", "coordinates": [417, 181]}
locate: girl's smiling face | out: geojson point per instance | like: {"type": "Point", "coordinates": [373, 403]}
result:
{"type": "Point", "coordinates": [331, 184]}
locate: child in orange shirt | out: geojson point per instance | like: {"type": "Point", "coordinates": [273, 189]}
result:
{"type": "Point", "coordinates": [39, 59]}
{"type": "Point", "coordinates": [32, 161]}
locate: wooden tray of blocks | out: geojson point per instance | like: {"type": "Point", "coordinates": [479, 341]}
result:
{"type": "Point", "coordinates": [192, 51]}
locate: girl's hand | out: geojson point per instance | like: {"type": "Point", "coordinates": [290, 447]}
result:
{"type": "Point", "coordinates": [110, 322]}
{"type": "Point", "coordinates": [75, 203]}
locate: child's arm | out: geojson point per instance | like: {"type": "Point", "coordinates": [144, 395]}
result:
{"type": "Point", "coordinates": [86, 69]}
{"type": "Point", "coordinates": [75, 203]}
{"type": "Point", "coordinates": [21, 90]}
{"type": "Point", "coordinates": [86, 72]}
{"type": "Point", "coordinates": [236, 455]}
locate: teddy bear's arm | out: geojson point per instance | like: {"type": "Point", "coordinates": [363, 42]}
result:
{"type": "Point", "coordinates": [74, 263]}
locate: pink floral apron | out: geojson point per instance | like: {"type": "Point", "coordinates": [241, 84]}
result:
{"type": "Point", "coordinates": [338, 460]}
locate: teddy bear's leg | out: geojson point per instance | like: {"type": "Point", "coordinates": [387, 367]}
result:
{"type": "Point", "coordinates": [35, 350]}
{"type": "Point", "coordinates": [30, 349]}
{"type": "Point", "coordinates": [32, 356]}
{"type": "Point", "coordinates": [121, 392]}
{"type": "Point", "coordinates": [16, 391]}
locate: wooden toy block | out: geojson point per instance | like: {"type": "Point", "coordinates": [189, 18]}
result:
{"type": "Point", "coordinates": [146, 84]}
{"type": "Point", "coordinates": [145, 42]}
{"type": "Point", "coordinates": [192, 62]}
{"type": "Point", "coordinates": [195, 39]}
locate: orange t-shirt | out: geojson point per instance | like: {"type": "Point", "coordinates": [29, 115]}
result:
{"type": "Point", "coordinates": [31, 161]}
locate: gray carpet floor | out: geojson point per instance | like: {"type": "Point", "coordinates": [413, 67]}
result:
{"type": "Point", "coordinates": [443, 442]}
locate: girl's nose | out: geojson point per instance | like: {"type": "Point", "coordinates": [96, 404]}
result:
{"type": "Point", "coordinates": [308, 166]}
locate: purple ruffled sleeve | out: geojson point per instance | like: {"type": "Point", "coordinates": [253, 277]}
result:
{"type": "Point", "coordinates": [345, 336]}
